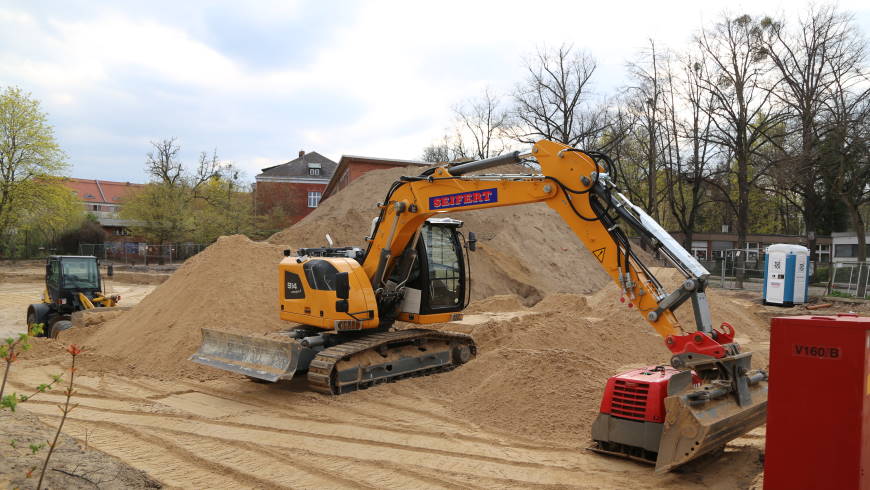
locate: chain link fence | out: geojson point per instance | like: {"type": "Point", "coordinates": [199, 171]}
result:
{"type": "Point", "coordinates": [134, 253]}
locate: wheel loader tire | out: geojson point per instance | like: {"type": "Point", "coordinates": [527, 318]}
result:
{"type": "Point", "coordinates": [38, 313]}
{"type": "Point", "coordinates": [59, 326]}
{"type": "Point", "coordinates": [31, 319]}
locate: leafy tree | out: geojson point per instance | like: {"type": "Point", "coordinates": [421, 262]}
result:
{"type": "Point", "coordinates": [198, 205]}
{"type": "Point", "coordinates": [160, 212]}
{"type": "Point", "coordinates": [88, 232]}
{"type": "Point", "coordinates": [30, 162]}
{"type": "Point", "coordinates": [225, 206]}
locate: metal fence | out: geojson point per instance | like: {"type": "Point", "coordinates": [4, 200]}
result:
{"type": "Point", "coordinates": [845, 277]}
{"type": "Point", "coordinates": [141, 253]}
{"type": "Point", "coordinates": [725, 269]}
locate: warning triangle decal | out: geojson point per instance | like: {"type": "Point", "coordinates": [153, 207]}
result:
{"type": "Point", "coordinates": [599, 254]}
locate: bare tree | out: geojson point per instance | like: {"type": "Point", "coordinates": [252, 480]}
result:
{"type": "Point", "coordinates": [484, 120]}
{"type": "Point", "coordinates": [554, 100]}
{"type": "Point", "coordinates": [644, 101]}
{"type": "Point", "coordinates": [848, 113]}
{"type": "Point", "coordinates": [735, 75]}
{"type": "Point", "coordinates": [807, 60]}
{"type": "Point", "coordinates": [162, 162]}
{"type": "Point", "coordinates": [451, 148]}
{"type": "Point", "coordinates": [208, 167]}
{"type": "Point", "coordinates": [687, 143]}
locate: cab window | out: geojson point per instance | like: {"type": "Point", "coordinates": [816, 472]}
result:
{"type": "Point", "coordinates": [80, 273]}
{"type": "Point", "coordinates": [53, 273]}
{"type": "Point", "coordinates": [444, 267]}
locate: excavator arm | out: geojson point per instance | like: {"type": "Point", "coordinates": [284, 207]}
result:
{"type": "Point", "coordinates": [581, 191]}
{"type": "Point", "coordinates": [711, 396]}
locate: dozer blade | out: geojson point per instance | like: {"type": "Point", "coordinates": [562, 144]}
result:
{"type": "Point", "coordinates": [693, 428]}
{"type": "Point", "coordinates": [257, 357]}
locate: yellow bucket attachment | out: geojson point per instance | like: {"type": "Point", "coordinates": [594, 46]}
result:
{"type": "Point", "coordinates": [256, 357]}
{"type": "Point", "coordinates": [693, 427]}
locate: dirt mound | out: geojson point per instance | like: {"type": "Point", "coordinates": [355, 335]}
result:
{"type": "Point", "coordinates": [573, 303]}
{"type": "Point", "coordinates": [499, 302]}
{"type": "Point", "coordinates": [524, 250]}
{"type": "Point", "coordinates": [542, 374]}
{"type": "Point", "coordinates": [230, 286]}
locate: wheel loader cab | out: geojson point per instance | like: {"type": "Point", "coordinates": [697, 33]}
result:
{"type": "Point", "coordinates": [67, 276]}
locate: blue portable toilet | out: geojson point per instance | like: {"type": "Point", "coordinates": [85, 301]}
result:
{"type": "Point", "coordinates": [786, 275]}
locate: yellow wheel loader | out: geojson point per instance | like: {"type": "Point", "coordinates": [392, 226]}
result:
{"type": "Point", "coordinates": [72, 283]}
{"type": "Point", "coordinates": [343, 304]}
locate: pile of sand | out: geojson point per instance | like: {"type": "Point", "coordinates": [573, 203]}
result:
{"type": "Point", "coordinates": [231, 285]}
{"type": "Point", "coordinates": [542, 374]}
{"type": "Point", "coordinates": [524, 250]}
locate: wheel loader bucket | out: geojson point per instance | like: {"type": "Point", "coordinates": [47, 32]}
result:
{"type": "Point", "coordinates": [257, 357]}
{"type": "Point", "coordinates": [692, 428]}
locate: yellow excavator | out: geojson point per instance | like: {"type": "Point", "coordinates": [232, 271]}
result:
{"type": "Point", "coordinates": [344, 304]}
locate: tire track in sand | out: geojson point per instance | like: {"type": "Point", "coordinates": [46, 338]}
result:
{"type": "Point", "coordinates": [492, 467]}
{"type": "Point", "coordinates": [440, 444]}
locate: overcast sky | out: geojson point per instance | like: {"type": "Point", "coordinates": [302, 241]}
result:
{"type": "Point", "coordinates": [260, 80]}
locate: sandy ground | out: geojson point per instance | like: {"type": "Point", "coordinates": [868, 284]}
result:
{"type": "Point", "coordinates": [15, 296]}
{"type": "Point", "coordinates": [233, 433]}
{"type": "Point", "coordinates": [230, 432]}
{"type": "Point", "coordinates": [72, 465]}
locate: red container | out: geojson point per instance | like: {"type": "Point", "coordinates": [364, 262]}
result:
{"type": "Point", "coordinates": [818, 412]}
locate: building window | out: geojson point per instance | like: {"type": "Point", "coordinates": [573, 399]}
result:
{"type": "Point", "coordinates": [847, 250]}
{"type": "Point", "coordinates": [823, 252]}
{"type": "Point", "coordinates": [313, 199]}
{"type": "Point", "coordinates": [313, 171]}
{"type": "Point", "coordinates": [700, 253]}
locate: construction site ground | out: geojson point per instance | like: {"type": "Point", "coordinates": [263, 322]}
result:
{"type": "Point", "coordinates": [231, 432]}
{"type": "Point", "coordinates": [435, 432]}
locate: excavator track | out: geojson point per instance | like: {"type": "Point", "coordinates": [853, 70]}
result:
{"type": "Point", "coordinates": [387, 356]}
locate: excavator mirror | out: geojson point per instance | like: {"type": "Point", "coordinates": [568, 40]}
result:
{"type": "Point", "coordinates": [342, 285]}
{"type": "Point", "coordinates": [472, 241]}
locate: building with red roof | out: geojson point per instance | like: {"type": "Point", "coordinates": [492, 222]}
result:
{"type": "Point", "coordinates": [103, 199]}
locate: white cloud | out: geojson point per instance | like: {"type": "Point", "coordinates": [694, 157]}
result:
{"type": "Point", "coordinates": [381, 82]}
